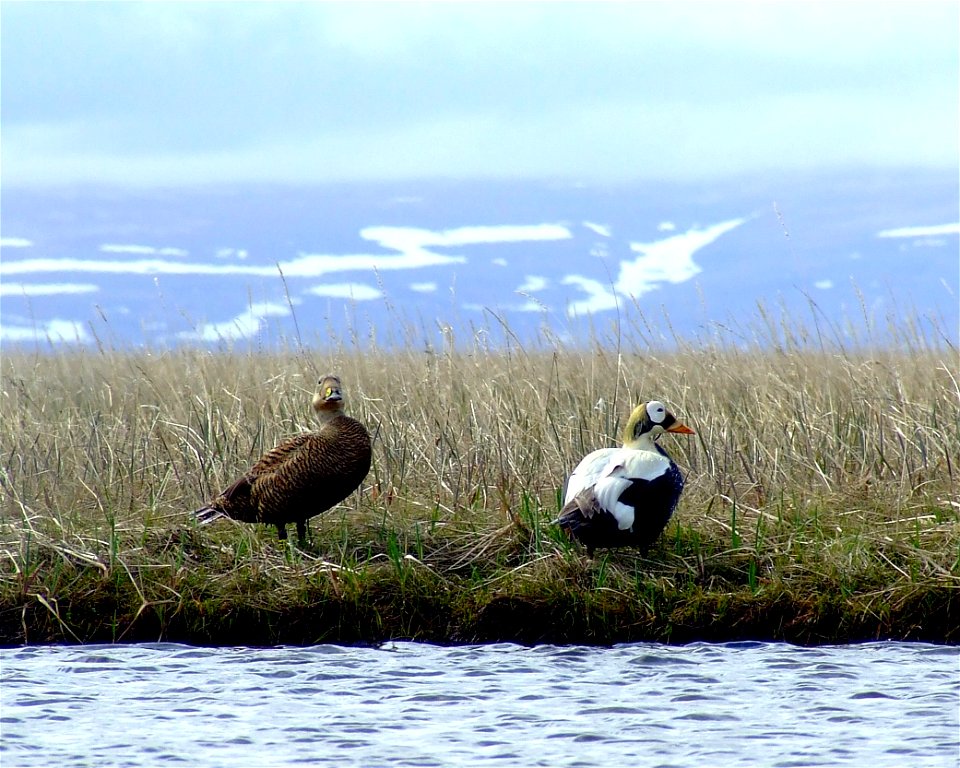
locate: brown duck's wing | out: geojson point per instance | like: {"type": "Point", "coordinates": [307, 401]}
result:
{"type": "Point", "coordinates": [278, 457]}
{"type": "Point", "coordinates": [310, 473]}
{"type": "Point", "coordinates": [240, 501]}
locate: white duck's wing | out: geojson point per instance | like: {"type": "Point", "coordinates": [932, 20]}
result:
{"type": "Point", "coordinates": [588, 471]}
{"type": "Point", "coordinates": [624, 467]}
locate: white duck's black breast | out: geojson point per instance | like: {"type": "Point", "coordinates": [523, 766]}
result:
{"type": "Point", "coordinates": [653, 501]}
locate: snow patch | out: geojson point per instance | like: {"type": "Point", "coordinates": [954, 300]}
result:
{"type": "Point", "coordinates": [931, 231]}
{"type": "Point", "coordinates": [533, 283]}
{"type": "Point", "coordinates": [353, 291]}
{"type": "Point", "coordinates": [409, 243]}
{"type": "Point", "coordinates": [662, 261]}
{"type": "Point", "coordinates": [15, 242]}
{"type": "Point", "coordinates": [600, 229]}
{"type": "Point", "coordinates": [143, 250]}
{"type": "Point", "coordinates": [243, 326]}
{"type": "Point", "coordinates": [46, 289]}
{"type": "Point", "coordinates": [55, 330]}
{"type": "Point", "coordinates": [411, 238]}
{"type": "Point", "coordinates": [599, 296]}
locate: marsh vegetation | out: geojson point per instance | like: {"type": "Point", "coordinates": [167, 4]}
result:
{"type": "Point", "coordinates": [821, 503]}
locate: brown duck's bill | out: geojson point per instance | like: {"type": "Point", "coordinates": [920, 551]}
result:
{"type": "Point", "coordinates": [683, 429]}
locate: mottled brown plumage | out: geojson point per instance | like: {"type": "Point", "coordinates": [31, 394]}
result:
{"type": "Point", "coordinates": [303, 476]}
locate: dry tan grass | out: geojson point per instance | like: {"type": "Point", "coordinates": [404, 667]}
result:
{"type": "Point", "coordinates": [811, 465]}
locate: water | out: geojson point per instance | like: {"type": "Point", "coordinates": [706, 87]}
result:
{"type": "Point", "coordinates": [743, 704]}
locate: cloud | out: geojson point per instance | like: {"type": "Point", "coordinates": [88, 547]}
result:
{"type": "Point", "coordinates": [616, 140]}
{"type": "Point", "coordinates": [615, 90]}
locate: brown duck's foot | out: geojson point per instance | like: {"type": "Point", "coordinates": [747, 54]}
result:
{"type": "Point", "coordinates": [302, 532]}
{"type": "Point", "coordinates": [282, 531]}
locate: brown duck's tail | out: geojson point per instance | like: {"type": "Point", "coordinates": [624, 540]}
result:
{"type": "Point", "coordinates": [233, 502]}
{"type": "Point", "coordinates": [208, 514]}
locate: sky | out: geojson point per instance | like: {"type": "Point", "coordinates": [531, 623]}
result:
{"type": "Point", "coordinates": [161, 94]}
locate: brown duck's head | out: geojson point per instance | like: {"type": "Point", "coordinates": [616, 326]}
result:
{"type": "Point", "coordinates": [329, 396]}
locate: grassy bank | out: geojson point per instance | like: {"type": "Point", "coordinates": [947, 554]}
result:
{"type": "Point", "coordinates": [821, 505]}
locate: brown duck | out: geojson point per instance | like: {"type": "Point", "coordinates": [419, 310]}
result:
{"type": "Point", "coordinates": [303, 476]}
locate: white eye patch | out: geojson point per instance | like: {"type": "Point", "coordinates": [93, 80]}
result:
{"type": "Point", "coordinates": [657, 411]}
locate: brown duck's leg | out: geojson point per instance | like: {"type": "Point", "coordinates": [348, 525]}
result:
{"type": "Point", "coordinates": [282, 531]}
{"type": "Point", "coordinates": [302, 531]}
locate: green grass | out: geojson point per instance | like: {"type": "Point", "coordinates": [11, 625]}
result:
{"type": "Point", "coordinates": [822, 500]}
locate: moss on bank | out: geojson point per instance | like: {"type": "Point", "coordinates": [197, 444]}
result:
{"type": "Point", "coordinates": [244, 588]}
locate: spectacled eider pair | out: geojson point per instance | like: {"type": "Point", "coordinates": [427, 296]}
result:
{"type": "Point", "coordinates": [303, 476]}
{"type": "Point", "coordinates": [619, 497]}
{"type": "Point", "coordinates": [615, 497]}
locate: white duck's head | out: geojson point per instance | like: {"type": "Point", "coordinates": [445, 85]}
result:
{"type": "Point", "coordinates": [647, 422]}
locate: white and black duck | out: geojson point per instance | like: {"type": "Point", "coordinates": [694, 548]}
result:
{"type": "Point", "coordinates": [623, 497]}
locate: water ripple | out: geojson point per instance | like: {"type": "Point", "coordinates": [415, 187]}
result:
{"type": "Point", "coordinates": [883, 704]}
